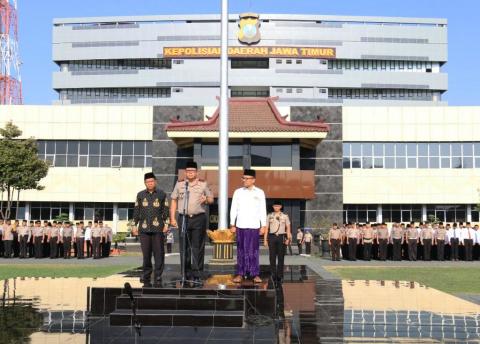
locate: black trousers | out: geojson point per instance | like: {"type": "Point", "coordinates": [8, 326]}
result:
{"type": "Point", "coordinates": [468, 243]}
{"type": "Point", "coordinates": [16, 245]}
{"type": "Point", "coordinates": [308, 247]}
{"type": "Point", "coordinates": [106, 248]}
{"type": "Point", "coordinates": [441, 250]}
{"type": "Point", "coordinates": [276, 253]}
{"type": "Point", "coordinates": [67, 247]}
{"type": "Point", "coordinates": [412, 249]}
{"type": "Point", "coordinates": [299, 245]}
{"type": "Point", "coordinates": [96, 247]}
{"type": "Point", "coordinates": [427, 249]}
{"type": "Point", "coordinates": [454, 248]}
{"type": "Point", "coordinates": [397, 249]}
{"type": "Point", "coordinates": [79, 244]}
{"type": "Point", "coordinates": [335, 248]}
{"type": "Point", "coordinates": [89, 248]}
{"type": "Point", "coordinates": [38, 242]}
{"type": "Point", "coordinates": [352, 248]}
{"type": "Point", "coordinates": [8, 248]}
{"type": "Point", "coordinates": [194, 245]}
{"type": "Point", "coordinates": [382, 249]}
{"type": "Point", "coordinates": [46, 247]}
{"type": "Point", "coordinates": [367, 250]}
{"type": "Point", "coordinates": [53, 247]}
{"type": "Point", "coordinates": [23, 245]}
{"type": "Point", "coordinates": [152, 244]}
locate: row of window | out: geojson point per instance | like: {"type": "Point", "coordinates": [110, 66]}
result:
{"type": "Point", "coordinates": [374, 93]}
{"type": "Point", "coordinates": [418, 66]}
{"type": "Point", "coordinates": [408, 212]}
{"type": "Point", "coordinates": [279, 155]}
{"type": "Point", "coordinates": [75, 153]}
{"type": "Point", "coordinates": [81, 211]}
{"type": "Point", "coordinates": [250, 93]}
{"type": "Point", "coordinates": [411, 155]}
{"type": "Point", "coordinates": [250, 63]}
{"type": "Point", "coordinates": [114, 93]}
{"type": "Point", "coordinates": [125, 64]}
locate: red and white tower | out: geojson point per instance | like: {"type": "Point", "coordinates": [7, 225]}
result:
{"type": "Point", "coordinates": [10, 81]}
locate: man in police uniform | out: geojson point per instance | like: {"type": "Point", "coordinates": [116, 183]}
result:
{"type": "Point", "coordinates": [367, 235]}
{"type": "Point", "coordinates": [194, 215]}
{"type": "Point", "coordinates": [412, 237]}
{"type": "Point", "coordinates": [440, 236]}
{"type": "Point", "coordinates": [23, 238]}
{"type": "Point", "coordinates": [149, 217]}
{"type": "Point", "coordinates": [37, 233]}
{"type": "Point", "coordinates": [67, 235]}
{"type": "Point", "coordinates": [382, 240]}
{"type": "Point", "coordinates": [276, 237]}
{"type": "Point", "coordinates": [426, 238]}
{"type": "Point", "coordinates": [96, 233]}
{"type": "Point", "coordinates": [353, 236]}
{"type": "Point", "coordinates": [397, 237]}
{"type": "Point", "coordinates": [334, 240]}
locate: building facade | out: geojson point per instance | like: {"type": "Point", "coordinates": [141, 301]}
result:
{"type": "Point", "coordinates": [305, 60]}
{"type": "Point", "coordinates": [372, 164]}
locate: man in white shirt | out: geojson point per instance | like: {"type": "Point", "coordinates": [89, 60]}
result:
{"type": "Point", "coordinates": [476, 249]}
{"type": "Point", "coordinates": [468, 239]}
{"type": "Point", "coordinates": [248, 219]}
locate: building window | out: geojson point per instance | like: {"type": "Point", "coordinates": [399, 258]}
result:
{"type": "Point", "coordinates": [271, 155]}
{"type": "Point", "coordinates": [361, 213]}
{"type": "Point", "coordinates": [93, 211]}
{"type": "Point", "coordinates": [210, 154]}
{"type": "Point", "coordinates": [48, 210]}
{"type": "Point", "coordinates": [250, 63]}
{"type": "Point", "coordinates": [74, 153]}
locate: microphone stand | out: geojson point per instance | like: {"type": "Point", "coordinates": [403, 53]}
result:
{"type": "Point", "coordinates": [133, 304]}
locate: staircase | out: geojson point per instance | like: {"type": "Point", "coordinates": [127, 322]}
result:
{"type": "Point", "coordinates": [181, 307]}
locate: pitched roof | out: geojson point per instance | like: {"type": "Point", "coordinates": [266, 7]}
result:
{"type": "Point", "coordinates": [250, 115]}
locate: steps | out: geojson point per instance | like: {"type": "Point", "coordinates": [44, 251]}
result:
{"type": "Point", "coordinates": [181, 307]}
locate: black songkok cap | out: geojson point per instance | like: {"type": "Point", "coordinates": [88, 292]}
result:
{"type": "Point", "coordinates": [249, 172]}
{"type": "Point", "coordinates": [277, 202]}
{"type": "Point", "coordinates": [191, 164]}
{"type": "Point", "coordinates": [149, 175]}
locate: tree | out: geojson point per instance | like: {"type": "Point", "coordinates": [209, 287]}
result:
{"type": "Point", "coordinates": [20, 167]}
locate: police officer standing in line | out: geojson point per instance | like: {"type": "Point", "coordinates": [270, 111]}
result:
{"type": "Point", "coordinates": [353, 236]}
{"type": "Point", "coordinates": [367, 240]}
{"type": "Point", "coordinates": [107, 237]}
{"type": "Point", "coordinates": [426, 236]}
{"type": "Point", "coordinates": [382, 240]}
{"type": "Point", "coordinates": [454, 237]}
{"type": "Point", "coordinates": [149, 215]}
{"type": "Point", "coordinates": [276, 237]}
{"type": "Point", "coordinates": [7, 237]}
{"type": "Point", "coordinates": [439, 239]}
{"type": "Point", "coordinates": [397, 238]}
{"type": "Point", "coordinates": [37, 233]}
{"type": "Point", "coordinates": [199, 197]}
{"type": "Point", "coordinates": [412, 236]}
{"type": "Point", "coordinates": [468, 238]}
{"type": "Point", "coordinates": [80, 240]}
{"type": "Point", "coordinates": [53, 234]}
{"type": "Point", "coordinates": [23, 238]}
{"type": "Point", "coordinates": [67, 235]}
{"type": "Point", "coordinates": [96, 234]}
{"type": "Point", "coordinates": [334, 240]}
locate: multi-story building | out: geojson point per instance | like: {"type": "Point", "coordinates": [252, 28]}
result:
{"type": "Point", "coordinates": [305, 60]}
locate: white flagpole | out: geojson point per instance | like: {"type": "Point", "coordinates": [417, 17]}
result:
{"type": "Point", "coordinates": [223, 127]}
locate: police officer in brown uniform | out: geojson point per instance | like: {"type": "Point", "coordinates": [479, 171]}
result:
{"type": "Point", "coordinates": [276, 237]}
{"type": "Point", "coordinates": [7, 237]}
{"type": "Point", "coordinates": [23, 237]}
{"type": "Point", "coordinates": [193, 217]}
{"type": "Point", "coordinates": [353, 236]}
{"type": "Point", "coordinates": [107, 237]}
{"type": "Point", "coordinates": [412, 237]}
{"type": "Point", "coordinates": [397, 239]}
{"type": "Point", "coordinates": [382, 240]}
{"type": "Point", "coordinates": [149, 216]}
{"type": "Point", "coordinates": [334, 240]}
{"type": "Point", "coordinates": [367, 240]}
{"type": "Point", "coordinates": [439, 238]}
{"type": "Point", "coordinates": [96, 234]}
{"type": "Point", "coordinates": [426, 238]}
{"type": "Point", "coordinates": [37, 233]}
{"type": "Point", "coordinates": [53, 234]}
{"type": "Point", "coordinates": [67, 240]}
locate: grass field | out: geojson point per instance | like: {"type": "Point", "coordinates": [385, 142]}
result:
{"type": "Point", "coordinates": [60, 270]}
{"type": "Point", "coordinates": [448, 279]}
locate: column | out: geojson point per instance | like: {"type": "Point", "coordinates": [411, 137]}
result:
{"type": "Point", "coordinates": [71, 214]}
{"type": "Point", "coordinates": [379, 214]}
{"type": "Point", "coordinates": [197, 152]}
{"type": "Point", "coordinates": [247, 155]}
{"type": "Point", "coordinates": [27, 211]}
{"type": "Point", "coordinates": [115, 217]}
{"type": "Point", "coordinates": [469, 213]}
{"type": "Point", "coordinates": [424, 212]}
{"type": "Point", "coordinates": [296, 154]}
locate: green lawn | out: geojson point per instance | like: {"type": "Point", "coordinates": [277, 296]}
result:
{"type": "Point", "coordinates": [448, 279]}
{"type": "Point", "coordinates": [60, 270]}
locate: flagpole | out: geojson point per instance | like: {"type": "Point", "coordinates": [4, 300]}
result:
{"type": "Point", "coordinates": [223, 127]}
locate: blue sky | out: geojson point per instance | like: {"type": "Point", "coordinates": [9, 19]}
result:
{"type": "Point", "coordinates": [35, 31]}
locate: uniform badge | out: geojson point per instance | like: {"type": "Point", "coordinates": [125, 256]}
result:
{"type": "Point", "coordinates": [155, 222]}
{"type": "Point", "coordinates": [145, 202]}
{"type": "Point", "coordinates": [156, 203]}
{"type": "Point", "coordinates": [144, 225]}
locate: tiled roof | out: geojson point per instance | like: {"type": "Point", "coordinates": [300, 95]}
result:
{"type": "Point", "coordinates": [251, 115]}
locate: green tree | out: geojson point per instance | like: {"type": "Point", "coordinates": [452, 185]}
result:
{"type": "Point", "coordinates": [20, 167]}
